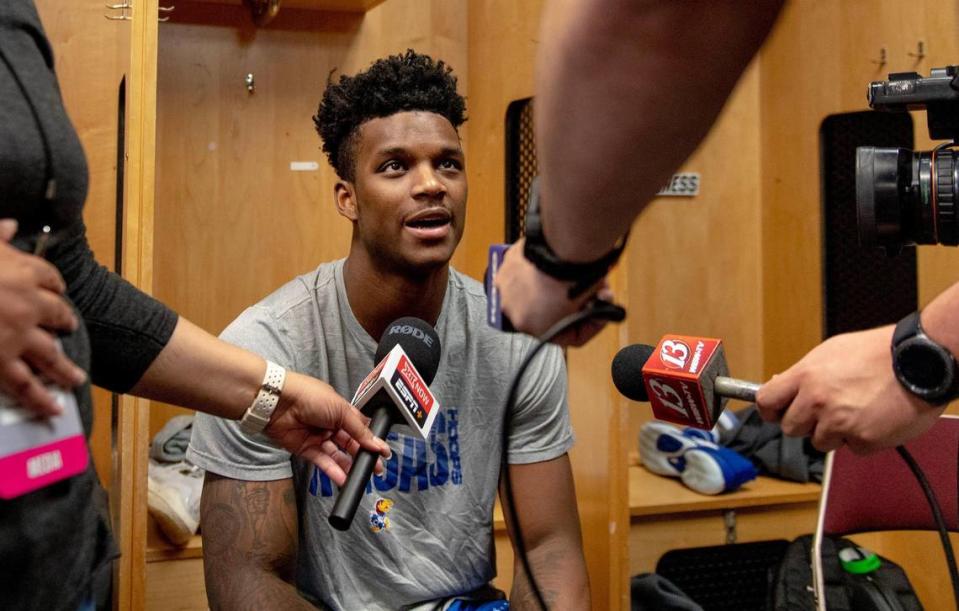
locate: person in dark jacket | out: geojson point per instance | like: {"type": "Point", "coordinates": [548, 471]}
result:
{"type": "Point", "coordinates": [66, 322]}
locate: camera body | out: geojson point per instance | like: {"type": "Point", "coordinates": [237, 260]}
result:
{"type": "Point", "coordinates": [903, 196]}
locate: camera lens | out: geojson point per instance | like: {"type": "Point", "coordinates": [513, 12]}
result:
{"type": "Point", "coordinates": [945, 196]}
{"type": "Point", "coordinates": [906, 197]}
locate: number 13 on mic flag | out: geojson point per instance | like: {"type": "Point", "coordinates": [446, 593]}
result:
{"type": "Point", "coordinates": [679, 377]}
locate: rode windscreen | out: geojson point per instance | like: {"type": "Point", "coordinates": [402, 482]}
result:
{"type": "Point", "coordinates": [419, 341]}
{"type": "Point", "coordinates": [396, 391]}
{"type": "Point", "coordinates": [685, 379]}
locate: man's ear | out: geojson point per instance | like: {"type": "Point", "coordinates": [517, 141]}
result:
{"type": "Point", "coordinates": [345, 195]}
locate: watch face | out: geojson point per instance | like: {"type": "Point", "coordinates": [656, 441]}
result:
{"type": "Point", "coordinates": [923, 368]}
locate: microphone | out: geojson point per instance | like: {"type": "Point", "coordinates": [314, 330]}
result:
{"type": "Point", "coordinates": [684, 378]}
{"type": "Point", "coordinates": [601, 309]}
{"type": "Point", "coordinates": [395, 392]}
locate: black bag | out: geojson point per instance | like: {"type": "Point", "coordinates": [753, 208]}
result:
{"type": "Point", "coordinates": [885, 588]}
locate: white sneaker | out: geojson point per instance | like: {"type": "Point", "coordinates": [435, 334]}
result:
{"type": "Point", "coordinates": [173, 497]}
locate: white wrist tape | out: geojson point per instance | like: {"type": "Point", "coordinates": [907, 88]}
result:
{"type": "Point", "coordinates": [258, 415]}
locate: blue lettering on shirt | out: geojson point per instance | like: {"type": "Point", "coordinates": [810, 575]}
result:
{"type": "Point", "coordinates": [415, 465]}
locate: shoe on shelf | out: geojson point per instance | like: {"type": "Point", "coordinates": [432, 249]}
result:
{"type": "Point", "coordinates": [173, 498]}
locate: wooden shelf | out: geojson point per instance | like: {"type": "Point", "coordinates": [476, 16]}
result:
{"type": "Point", "coordinates": [160, 549]}
{"type": "Point", "coordinates": [651, 494]}
{"type": "Point", "coordinates": [346, 6]}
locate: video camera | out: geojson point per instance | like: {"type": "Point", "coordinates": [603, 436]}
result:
{"type": "Point", "coordinates": [904, 196]}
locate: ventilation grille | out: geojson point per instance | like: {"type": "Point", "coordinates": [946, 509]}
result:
{"type": "Point", "coordinates": [520, 165]}
{"type": "Point", "coordinates": [863, 287]}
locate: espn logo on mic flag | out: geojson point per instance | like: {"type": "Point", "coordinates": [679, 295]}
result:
{"type": "Point", "coordinates": [679, 376]}
{"type": "Point", "coordinates": [397, 376]}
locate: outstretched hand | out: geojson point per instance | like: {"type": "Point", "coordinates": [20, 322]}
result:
{"type": "Point", "coordinates": [317, 424]}
{"type": "Point", "coordinates": [32, 310]}
{"type": "Point", "coordinates": [845, 391]}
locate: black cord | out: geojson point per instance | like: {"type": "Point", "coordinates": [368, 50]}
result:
{"type": "Point", "coordinates": [937, 516]}
{"type": "Point", "coordinates": [566, 323]}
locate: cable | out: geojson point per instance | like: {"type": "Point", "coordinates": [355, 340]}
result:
{"type": "Point", "coordinates": [937, 516]}
{"type": "Point", "coordinates": [598, 310]}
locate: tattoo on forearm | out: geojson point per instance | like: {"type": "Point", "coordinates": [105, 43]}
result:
{"type": "Point", "coordinates": [257, 498]}
{"type": "Point", "coordinates": [248, 547]}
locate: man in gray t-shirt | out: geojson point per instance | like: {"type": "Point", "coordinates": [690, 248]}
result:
{"type": "Point", "coordinates": [423, 531]}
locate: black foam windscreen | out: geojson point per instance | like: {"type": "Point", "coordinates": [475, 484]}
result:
{"type": "Point", "coordinates": [862, 287]}
{"type": "Point", "coordinates": [419, 341]}
{"type": "Point", "coordinates": [520, 165]}
{"type": "Point", "coordinates": [627, 371]}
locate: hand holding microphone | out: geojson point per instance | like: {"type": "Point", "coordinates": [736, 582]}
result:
{"type": "Point", "coordinates": [684, 378]}
{"type": "Point", "coordinates": [547, 299]}
{"type": "Point", "coordinates": [396, 392]}
{"type": "Point", "coordinates": [530, 288]}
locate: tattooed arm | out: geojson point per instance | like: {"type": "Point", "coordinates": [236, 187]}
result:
{"type": "Point", "coordinates": [546, 508]}
{"type": "Point", "coordinates": [249, 544]}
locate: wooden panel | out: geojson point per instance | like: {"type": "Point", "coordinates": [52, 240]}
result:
{"type": "Point", "coordinates": [130, 505]}
{"type": "Point", "coordinates": [651, 494]}
{"type": "Point", "coordinates": [865, 27]}
{"type": "Point", "coordinates": [502, 44]}
{"type": "Point", "coordinates": [234, 222]}
{"type": "Point", "coordinates": [356, 6]}
{"type": "Point", "coordinates": [695, 264]}
{"type": "Point", "coordinates": [767, 522]}
{"type": "Point", "coordinates": [176, 586]}
{"type": "Point", "coordinates": [90, 54]}
{"type": "Point", "coordinates": [652, 536]}
{"type": "Point", "coordinates": [799, 68]}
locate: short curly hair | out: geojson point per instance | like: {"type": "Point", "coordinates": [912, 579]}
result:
{"type": "Point", "coordinates": [398, 83]}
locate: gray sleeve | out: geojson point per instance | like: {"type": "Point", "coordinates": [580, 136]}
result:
{"type": "Point", "coordinates": [540, 429]}
{"type": "Point", "coordinates": [217, 444]}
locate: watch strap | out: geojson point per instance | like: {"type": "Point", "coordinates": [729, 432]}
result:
{"type": "Point", "coordinates": [258, 415]}
{"type": "Point", "coordinates": [910, 326]}
{"type": "Point", "coordinates": [909, 334]}
{"type": "Point", "coordinates": [538, 252]}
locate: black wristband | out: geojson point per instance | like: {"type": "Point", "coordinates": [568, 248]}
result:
{"type": "Point", "coordinates": [538, 252]}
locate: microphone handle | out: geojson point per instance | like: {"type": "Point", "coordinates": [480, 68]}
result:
{"type": "Point", "coordinates": [349, 498]}
{"type": "Point", "coordinates": [736, 389]}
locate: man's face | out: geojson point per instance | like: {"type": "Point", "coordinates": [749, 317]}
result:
{"type": "Point", "coordinates": [408, 198]}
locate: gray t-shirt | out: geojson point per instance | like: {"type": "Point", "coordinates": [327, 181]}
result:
{"type": "Point", "coordinates": [423, 531]}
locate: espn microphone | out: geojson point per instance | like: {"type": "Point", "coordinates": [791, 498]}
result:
{"type": "Point", "coordinates": [395, 392]}
{"type": "Point", "coordinates": [685, 379]}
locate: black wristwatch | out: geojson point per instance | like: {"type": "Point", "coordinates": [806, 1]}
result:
{"type": "Point", "coordinates": [538, 252]}
{"type": "Point", "coordinates": [923, 366]}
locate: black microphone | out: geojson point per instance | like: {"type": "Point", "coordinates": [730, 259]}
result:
{"type": "Point", "coordinates": [395, 392]}
{"type": "Point", "coordinates": [684, 378]}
